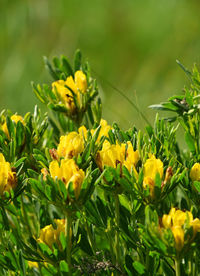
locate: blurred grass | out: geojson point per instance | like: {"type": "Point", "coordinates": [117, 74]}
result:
{"type": "Point", "coordinates": [133, 44]}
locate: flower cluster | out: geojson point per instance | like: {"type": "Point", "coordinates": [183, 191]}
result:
{"type": "Point", "coordinates": [49, 235]}
{"type": "Point", "coordinates": [68, 172]}
{"type": "Point", "coordinates": [114, 154]}
{"type": "Point", "coordinates": [70, 88]}
{"type": "Point", "coordinates": [72, 144]}
{"type": "Point", "coordinates": [104, 190]}
{"type": "Point", "coordinates": [179, 222]}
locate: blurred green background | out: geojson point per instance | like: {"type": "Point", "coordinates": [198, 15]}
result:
{"type": "Point", "coordinates": [131, 43]}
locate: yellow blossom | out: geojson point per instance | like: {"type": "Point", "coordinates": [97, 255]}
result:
{"type": "Point", "coordinates": [195, 172]}
{"type": "Point", "coordinates": [132, 157]}
{"type": "Point", "coordinates": [112, 155]}
{"type": "Point", "coordinates": [68, 172]}
{"type": "Point", "coordinates": [178, 234]}
{"type": "Point", "coordinates": [49, 235]}
{"type": "Point", "coordinates": [104, 129]}
{"type": "Point", "coordinates": [15, 118]}
{"type": "Point", "coordinates": [81, 81]}
{"type": "Point", "coordinates": [175, 221]}
{"type": "Point", "coordinates": [32, 264]}
{"type": "Point", "coordinates": [77, 85]}
{"type": "Point", "coordinates": [72, 144]}
{"type": "Point", "coordinates": [151, 167]}
{"type": "Point", "coordinates": [8, 179]}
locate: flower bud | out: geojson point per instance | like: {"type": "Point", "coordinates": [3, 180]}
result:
{"type": "Point", "coordinates": [195, 172]}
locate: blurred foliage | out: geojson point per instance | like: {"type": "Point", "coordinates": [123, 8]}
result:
{"type": "Point", "coordinates": [133, 44]}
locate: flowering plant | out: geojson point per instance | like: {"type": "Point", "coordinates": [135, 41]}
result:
{"type": "Point", "coordinates": [80, 196]}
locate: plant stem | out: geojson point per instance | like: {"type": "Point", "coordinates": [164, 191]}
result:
{"type": "Point", "coordinates": [118, 259]}
{"type": "Point", "coordinates": [68, 238]}
{"type": "Point", "coordinates": [91, 240]}
{"type": "Point", "coordinates": [177, 267]}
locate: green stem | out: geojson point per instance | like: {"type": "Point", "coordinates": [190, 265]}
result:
{"type": "Point", "coordinates": [117, 248]}
{"type": "Point", "coordinates": [195, 273]}
{"type": "Point", "coordinates": [91, 240]}
{"type": "Point", "coordinates": [177, 267]}
{"type": "Point", "coordinates": [24, 212]}
{"type": "Point", "coordinates": [68, 238]}
{"type": "Point", "coordinates": [111, 247]}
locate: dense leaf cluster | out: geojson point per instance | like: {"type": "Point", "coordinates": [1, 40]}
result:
{"type": "Point", "coordinates": [114, 225]}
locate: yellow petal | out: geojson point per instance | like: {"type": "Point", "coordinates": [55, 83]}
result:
{"type": "Point", "coordinates": [167, 221]}
{"type": "Point", "coordinates": [55, 170]}
{"type": "Point", "coordinates": [153, 166]}
{"type": "Point", "coordinates": [178, 237]}
{"type": "Point", "coordinates": [81, 81]}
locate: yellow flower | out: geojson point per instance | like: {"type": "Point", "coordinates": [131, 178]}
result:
{"type": "Point", "coordinates": [151, 167]}
{"type": "Point", "coordinates": [196, 225]}
{"type": "Point", "coordinates": [195, 172]}
{"type": "Point", "coordinates": [175, 221]}
{"type": "Point", "coordinates": [32, 264]}
{"type": "Point", "coordinates": [58, 87]}
{"type": "Point", "coordinates": [81, 81]}
{"type": "Point", "coordinates": [178, 234]}
{"type": "Point", "coordinates": [8, 179]}
{"type": "Point", "coordinates": [132, 157]}
{"type": "Point", "coordinates": [77, 85]}
{"type": "Point", "coordinates": [112, 155]}
{"type": "Point", "coordinates": [104, 129]}
{"type": "Point", "coordinates": [49, 235]}
{"type": "Point", "coordinates": [72, 144]}
{"type": "Point", "coordinates": [68, 172]}
{"type": "Point", "coordinates": [167, 219]}
{"type": "Point", "coordinates": [15, 118]}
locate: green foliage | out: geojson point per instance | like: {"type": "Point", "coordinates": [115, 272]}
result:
{"type": "Point", "coordinates": [97, 203]}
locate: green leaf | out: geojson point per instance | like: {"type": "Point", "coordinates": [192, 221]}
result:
{"type": "Point", "coordinates": [64, 267]}
{"type": "Point", "coordinates": [19, 162]}
{"type": "Point", "coordinates": [10, 126]}
{"type": "Point", "coordinates": [50, 69]}
{"type": "Point", "coordinates": [139, 267]}
{"type": "Point", "coordinates": [167, 269]}
{"type": "Point", "coordinates": [63, 189]}
{"type": "Point", "coordinates": [66, 66]}
{"type": "Point", "coordinates": [19, 133]}
{"type": "Point", "coordinates": [77, 60]}
{"type": "Point", "coordinates": [190, 142]}
{"type": "Point", "coordinates": [5, 218]}
{"type": "Point", "coordinates": [63, 240]}
{"type": "Point", "coordinates": [197, 185]}
{"type": "Point", "coordinates": [22, 263]}
{"type": "Point", "coordinates": [188, 73]}
{"type": "Point", "coordinates": [108, 174]}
